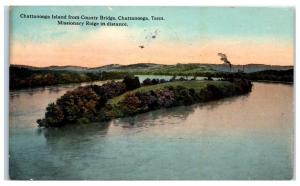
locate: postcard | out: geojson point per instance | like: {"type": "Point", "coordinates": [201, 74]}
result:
{"type": "Point", "coordinates": [151, 93]}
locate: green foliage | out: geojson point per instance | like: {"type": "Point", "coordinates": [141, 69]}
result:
{"type": "Point", "coordinates": [272, 75]}
{"type": "Point", "coordinates": [81, 105]}
{"type": "Point", "coordinates": [22, 77]}
{"type": "Point", "coordinates": [131, 82]}
{"type": "Point", "coordinates": [178, 69]}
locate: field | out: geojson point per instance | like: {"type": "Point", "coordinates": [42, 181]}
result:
{"type": "Point", "coordinates": [197, 85]}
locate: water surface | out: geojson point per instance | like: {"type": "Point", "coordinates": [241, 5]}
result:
{"type": "Point", "coordinates": [244, 137]}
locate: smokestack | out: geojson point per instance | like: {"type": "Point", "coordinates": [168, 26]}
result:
{"type": "Point", "coordinates": [224, 59]}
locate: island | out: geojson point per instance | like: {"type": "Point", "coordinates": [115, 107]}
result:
{"type": "Point", "coordinates": [115, 99]}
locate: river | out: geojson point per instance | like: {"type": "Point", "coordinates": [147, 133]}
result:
{"type": "Point", "coordinates": [244, 137]}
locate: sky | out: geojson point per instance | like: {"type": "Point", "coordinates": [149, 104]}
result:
{"type": "Point", "coordinates": [186, 35]}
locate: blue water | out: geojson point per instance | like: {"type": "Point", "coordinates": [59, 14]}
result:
{"type": "Point", "coordinates": [245, 137]}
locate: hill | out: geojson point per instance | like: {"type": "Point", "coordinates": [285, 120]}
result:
{"type": "Point", "coordinates": [165, 69]}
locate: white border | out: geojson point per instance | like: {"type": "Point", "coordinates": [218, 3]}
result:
{"type": "Point", "coordinates": [4, 81]}
{"type": "Point", "coordinates": [155, 2]}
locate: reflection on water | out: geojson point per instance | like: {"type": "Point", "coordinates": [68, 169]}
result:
{"type": "Point", "coordinates": [244, 137]}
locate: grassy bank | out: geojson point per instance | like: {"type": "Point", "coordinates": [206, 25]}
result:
{"type": "Point", "coordinates": [196, 85]}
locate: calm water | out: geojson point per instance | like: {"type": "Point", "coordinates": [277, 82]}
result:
{"type": "Point", "coordinates": [245, 137]}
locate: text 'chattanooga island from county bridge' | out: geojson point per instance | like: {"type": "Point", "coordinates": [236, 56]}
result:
{"type": "Point", "coordinates": [85, 17]}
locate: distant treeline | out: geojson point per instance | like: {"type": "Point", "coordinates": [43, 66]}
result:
{"type": "Point", "coordinates": [265, 75]}
{"type": "Point", "coordinates": [272, 75]}
{"type": "Point", "coordinates": [22, 77]}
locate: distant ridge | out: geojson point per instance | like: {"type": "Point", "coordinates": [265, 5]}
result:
{"type": "Point", "coordinates": [53, 67]}
{"type": "Point", "coordinates": [248, 68]}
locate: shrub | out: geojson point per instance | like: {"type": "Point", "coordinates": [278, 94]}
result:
{"type": "Point", "coordinates": [149, 100]}
{"type": "Point", "coordinates": [147, 81]}
{"type": "Point", "coordinates": [54, 115]}
{"type": "Point", "coordinates": [131, 104]}
{"type": "Point", "coordinates": [165, 98]}
{"type": "Point", "coordinates": [162, 81]}
{"type": "Point", "coordinates": [214, 91]}
{"type": "Point", "coordinates": [131, 83]}
{"type": "Point", "coordinates": [154, 81]}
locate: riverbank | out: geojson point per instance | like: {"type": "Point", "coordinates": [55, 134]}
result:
{"type": "Point", "coordinates": [120, 99]}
